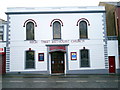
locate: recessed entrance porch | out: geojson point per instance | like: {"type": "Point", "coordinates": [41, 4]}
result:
{"type": "Point", "coordinates": [57, 59]}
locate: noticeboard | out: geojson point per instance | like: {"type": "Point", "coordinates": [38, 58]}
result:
{"type": "Point", "coordinates": [40, 56]}
{"type": "Point", "coordinates": [73, 55]}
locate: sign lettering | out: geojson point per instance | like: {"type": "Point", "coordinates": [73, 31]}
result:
{"type": "Point", "coordinates": [57, 41]}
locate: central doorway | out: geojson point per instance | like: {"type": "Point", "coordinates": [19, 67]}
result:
{"type": "Point", "coordinates": [57, 62]}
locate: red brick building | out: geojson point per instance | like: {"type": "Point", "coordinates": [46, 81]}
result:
{"type": "Point", "coordinates": [113, 21]}
{"type": "Point", "coordinates": [117, 21]}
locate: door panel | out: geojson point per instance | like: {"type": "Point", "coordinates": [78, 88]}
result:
{"type": "Point", "coordinates": [57, 62]}
{"type": "Point", "coordinates": [112, 68]}
{"type": "Point", "coordinates": [2, 63]}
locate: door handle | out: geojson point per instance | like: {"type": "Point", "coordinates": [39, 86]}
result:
{"type": "Point", "coordinates": [62, 62]}
{"type": "Point", "coordinates": [52, 62]}
{"type": "Point", "coordinates": [111, 66]}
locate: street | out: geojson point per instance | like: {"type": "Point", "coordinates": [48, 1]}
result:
{"type": "Point", "coordinates": [60, 81]}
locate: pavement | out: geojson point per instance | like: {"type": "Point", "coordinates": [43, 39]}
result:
{"type": "Point", "coordinates": [61, 75]}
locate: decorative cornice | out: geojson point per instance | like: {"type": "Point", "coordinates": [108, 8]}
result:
{"type": "Point", "coordinates": [56, 12]}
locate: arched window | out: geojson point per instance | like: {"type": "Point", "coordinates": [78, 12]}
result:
{"type": "Point", "coordinates": [56, 30]}
{"type": "Point", "coordinates": [83, 32]}
{"type": "Point", "coordinates": [30, 59]}
{"type": "Point", "coordinates": [30, 31]}
{"type": "Point", "coordinates": [84, 58]}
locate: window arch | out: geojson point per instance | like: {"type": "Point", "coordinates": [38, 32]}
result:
{"type": "Point", "coordinates": [56, 30]}
{"type": "Point", "coordinates": [30, 31]}
{"type": "Point", "coordinates": [30, 20]}
{"type": "Point", "coordinates": [83, 31]}
{"type": "Point", "coordinates": [56, 20]}
{"type": "Point", "coordinates": [84, 58]}
{"type": "Point", "coordinates": [30, 59]}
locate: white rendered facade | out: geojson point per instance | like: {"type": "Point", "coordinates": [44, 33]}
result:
{"type": "Point", "coordinates": [70, 41]}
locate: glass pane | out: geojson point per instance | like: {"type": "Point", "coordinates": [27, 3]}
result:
{"type": "Point", "coordinates": [30, 64]}
{"type": "Point", "coordinates": [83, 29]}
{"type": "Point", "coordinates": [57, 30]}
{"type": "Point", "coordinates": [1, 33]}
{"type": "Point", "coordinates": [1, 37]}
{"type": "Point", "coordinates": [84, 58]}
{"type": "Point", "coordinates": [30, 59]}
{"type": "Point", "coordinates": [30, 31]}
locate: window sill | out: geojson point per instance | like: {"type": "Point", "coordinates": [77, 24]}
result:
{"type": "Point", "coordinates": [30, 40]}
{"type": "Point", "coordinates": [29, 68]}
{"type": "Point", "coordinates": [85, 67]}
{"type": "Point", "coordinates": [57, 39]}
{"type": "Point", "coordinates": [84, 39]}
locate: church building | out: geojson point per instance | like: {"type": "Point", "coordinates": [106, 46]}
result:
{"type": "Point", "coordinates": [65, 40]}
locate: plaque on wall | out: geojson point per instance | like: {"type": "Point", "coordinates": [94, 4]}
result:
{"type": "Point", "coordinates": [40, 56]}
{"type": "Point", "coordinates": [73, 55]}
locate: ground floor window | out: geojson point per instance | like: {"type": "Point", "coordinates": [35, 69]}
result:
{"type": "Point", "coordinates": [30, 60]}
{"type": "Point", "coordinates": [84, 58]}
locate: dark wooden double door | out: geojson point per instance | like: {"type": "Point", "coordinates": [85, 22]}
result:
{"type": "Point", "coordinates": [57, 62]}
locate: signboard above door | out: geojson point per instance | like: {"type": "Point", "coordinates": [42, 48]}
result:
{"type": "Point", "coordinates": [57, 48]}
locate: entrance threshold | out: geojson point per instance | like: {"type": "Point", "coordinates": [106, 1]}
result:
{"type": "Point", "coordinates": [55, 74]}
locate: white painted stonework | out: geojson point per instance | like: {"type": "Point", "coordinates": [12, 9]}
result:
{"type": "Point", "coordinates": [96, 42]}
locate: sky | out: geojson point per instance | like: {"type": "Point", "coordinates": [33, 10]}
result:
{"type": "Point", "coordinates": [4, 4]}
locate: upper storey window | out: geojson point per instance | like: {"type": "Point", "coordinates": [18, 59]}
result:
{"type": "Point", "coordinates": [30, 25]}
{"type": "Point", "coordinates": [1, 33]}
{"type": "Point", "coordinates": [30, 31]}
{"type": "Point", "coordinates": [83, 31]}
{"type": "Point", "coordinates": [56, 30]}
